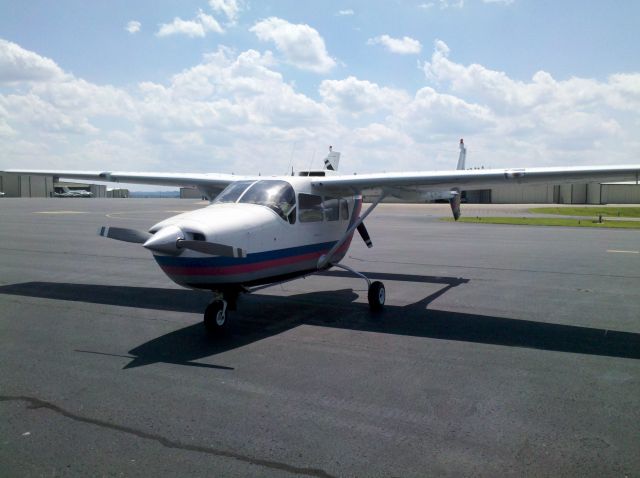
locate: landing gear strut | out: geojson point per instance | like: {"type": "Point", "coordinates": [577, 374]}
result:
{"type": "Point", "coordinates": [215, 316]}
{"type": "Point", "coordinates": [376, 293]}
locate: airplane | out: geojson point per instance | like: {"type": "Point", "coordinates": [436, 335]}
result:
{"type": "Point", "coordinates": [260, 230]}
{"type": "Point", "coordinates": [73, 193]}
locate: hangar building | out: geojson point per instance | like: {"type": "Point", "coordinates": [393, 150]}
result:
{"type": "Point", "coordinates": [20, 185]}
{"type": "Point", "coordinates": [24, 185]}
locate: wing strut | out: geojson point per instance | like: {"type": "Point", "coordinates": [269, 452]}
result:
{"type": "Point", "coordinates": [326, 258]}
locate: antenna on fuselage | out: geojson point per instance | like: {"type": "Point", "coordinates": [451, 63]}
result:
{"type": "Point", "coordinates": [293, 149]}
{"type": "Point", "coordinates": [313, 156]}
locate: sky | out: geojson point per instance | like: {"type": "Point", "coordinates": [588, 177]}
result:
{"type": "Point", "coordinates": [263, 86]}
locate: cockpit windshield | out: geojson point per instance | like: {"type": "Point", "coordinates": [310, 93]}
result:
{"type": "Point", "coordinates": [233, 191]}
{"type": "Point", "coordinates": [275, 194]}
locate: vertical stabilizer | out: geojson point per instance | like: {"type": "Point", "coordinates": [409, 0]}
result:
{"type": "Point", "coordinates": [332, 160]}
{"type": "Point", "coordinates": [463, 155]}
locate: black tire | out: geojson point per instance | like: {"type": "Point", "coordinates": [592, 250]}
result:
{"type": "Point", "coordinates": [216, 318]}
{"type": "Point", "coordinates": [376, 296]}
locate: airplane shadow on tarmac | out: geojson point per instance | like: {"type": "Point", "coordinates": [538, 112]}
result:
{"type": "Point", "coordinates": [263, 316]}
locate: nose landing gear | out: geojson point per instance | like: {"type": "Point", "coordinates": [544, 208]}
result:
{"type": "Point", "coordinates": [215, 317]}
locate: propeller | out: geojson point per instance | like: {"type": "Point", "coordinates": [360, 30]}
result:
{"type": "Point", "coordinates": [170, 240]}
{"type": "Point", "coordinates": [454, 201]}
{"type": "Point", "coordinates": [123, 234]}
{"type": "Point", "coordinates": [365, 235]}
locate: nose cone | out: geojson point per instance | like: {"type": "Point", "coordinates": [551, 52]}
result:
{"type": "Point", "coordinates": [165, 240]}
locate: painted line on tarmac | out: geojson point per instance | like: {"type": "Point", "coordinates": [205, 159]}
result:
{"type": "Point", "coordinates": [60, 212]}
{"type": "Point", "coordinates": [623, 252]}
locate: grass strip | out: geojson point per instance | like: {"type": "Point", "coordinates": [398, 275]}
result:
{"type": "Point", "coordinates": [594, 211]}
{"type": "Point", "coordinates": [548, 221]}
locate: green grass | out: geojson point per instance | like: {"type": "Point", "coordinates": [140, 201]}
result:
{"type": "Point", "coordinates": [589, 211]}
{"type": "Point", "coordinates": [548, 221]}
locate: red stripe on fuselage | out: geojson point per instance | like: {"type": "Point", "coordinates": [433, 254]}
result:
{"type": "Point", "coordinates": [247, 268]}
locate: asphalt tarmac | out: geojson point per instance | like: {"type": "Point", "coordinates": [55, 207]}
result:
{"type": "Point", "coordinates": [503, 351]}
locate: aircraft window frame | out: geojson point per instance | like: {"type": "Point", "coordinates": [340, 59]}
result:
{"type": "Point", "coordinates": [310, 208]}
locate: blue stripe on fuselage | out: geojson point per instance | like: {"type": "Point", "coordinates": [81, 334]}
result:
{"type": "Point", "coordinates": [250, 259]}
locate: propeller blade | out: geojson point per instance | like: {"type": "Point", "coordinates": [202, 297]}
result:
{"type": "Point", "coordinates": [455, 204]}
{"type": "Point", "coordinates": [123, 234]}
{"type": "Point", "coordinates": [212, 248]}
{"type": "Point", "coordinates": [365, 235]}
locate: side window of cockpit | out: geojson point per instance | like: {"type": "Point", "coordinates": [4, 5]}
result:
{"type": "Point", "coordinates": [309, 207]}
{"type": "Point", "coordinates": [331, 209]}
{"type": "Point", "coordinates": [344, 210]}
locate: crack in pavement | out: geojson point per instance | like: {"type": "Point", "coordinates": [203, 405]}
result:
{"type": "Point", "coordinates": [35, 403]}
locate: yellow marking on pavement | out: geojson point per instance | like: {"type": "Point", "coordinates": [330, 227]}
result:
{"type": "Point", "coordinates": [60, 212]}
{"type": "Point", "coordinates": [623, 252]}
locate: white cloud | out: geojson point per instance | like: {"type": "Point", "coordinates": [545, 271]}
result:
{"type": "Point", "coordinates": [505, 94]}
{"type": "Point", "coordinates": [426, 6]}
{"type": "Point", "coordinates": [231, 8]}
{"type": "Point", "coordinates": [570, 114]}
{"type": "Point", "coordinates": [133, 26]}
{"type": "Point", "coordinates": [377, 134]}
{"type": "Point", "coordinates": [198, 27]}
{"type": "Point", "coordinates": [18, 64]}
{"type": "Point", "coordinates": [504, 2]}
{"type": "Point", "coordinates": [432, 113]}
{"type": "Point", "coordinates": [232, 111]}
{"type": "Point", "coordinates": [444, 4]}
{"type": "Point", "coordinates": [301, 45]}
{"type": "Point", "coordinates": [345, 13]}
{"type": "Point", "coordinates": [402, 46]}
{"type": "Point", "coordinates": [357, 97]}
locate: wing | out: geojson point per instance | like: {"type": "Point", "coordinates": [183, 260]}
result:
{"type": "Point", "coordinates": [209, 184]}
{"type": "Point", "coordinates": [411, 185]}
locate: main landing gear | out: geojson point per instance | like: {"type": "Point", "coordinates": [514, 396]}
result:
{"type": "Point", "coordinates": [376, 293]}
{"type": "Point", "coordinates": [216, 315]}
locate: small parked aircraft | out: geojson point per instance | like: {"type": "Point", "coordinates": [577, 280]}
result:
{"type": "Point", "coordinates": [73, 193]}
{"type": "Point", "coordinates": [260, 230]}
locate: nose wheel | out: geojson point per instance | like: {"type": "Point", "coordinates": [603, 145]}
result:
{"type": "Point", "coordinates": [215, 317]}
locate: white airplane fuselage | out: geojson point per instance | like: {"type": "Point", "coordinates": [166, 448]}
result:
{"type": "Point", "coordinates": [276, 248]}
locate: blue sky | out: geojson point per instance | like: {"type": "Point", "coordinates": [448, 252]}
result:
{"type": "Point", "coordinates": [225, 85]}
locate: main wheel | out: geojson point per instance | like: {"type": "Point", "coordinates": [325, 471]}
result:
{"type": "Point", "coordinates": [215, 318]}
{"type": "Point", "coordinates": [376, 295]}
